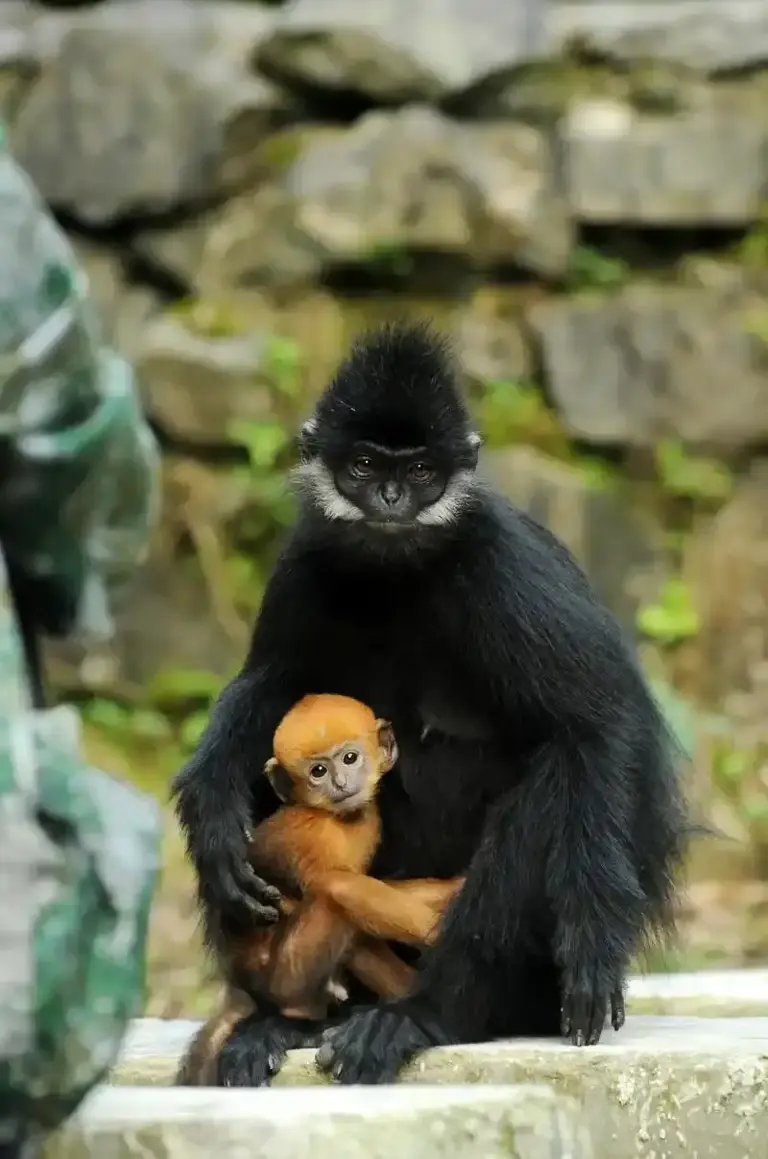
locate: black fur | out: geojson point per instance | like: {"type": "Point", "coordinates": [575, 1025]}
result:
{"type": "Point", "coordinates": [256, 1049]}
{"type": "Point", "coordinates": [531, 751]}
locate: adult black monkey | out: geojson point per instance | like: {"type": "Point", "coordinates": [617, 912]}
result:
{"type": "Point", "coordinates": [531, 751]}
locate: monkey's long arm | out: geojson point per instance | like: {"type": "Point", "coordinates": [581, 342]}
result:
{"type": "Point", "coordinates": [221, 793]}
{"type": "Point", "coordinates": [322, 930]}
{"type": "Point", "coordinates": [404, 911]}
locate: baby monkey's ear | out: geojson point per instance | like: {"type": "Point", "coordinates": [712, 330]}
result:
{"type": "Point", "coordinates": [387, 744]}
{"type": "Point", "coordinates": [279, 780]}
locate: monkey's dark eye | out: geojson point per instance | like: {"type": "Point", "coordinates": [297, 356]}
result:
{"type": "Point", "coordinates": [420, 472]}
{"type": "Point", "coordinates": [350, 757]}
{"type": "Point", "coordinates": [317, 772]}
{"type": "Point", "coordinates": [361, 468]}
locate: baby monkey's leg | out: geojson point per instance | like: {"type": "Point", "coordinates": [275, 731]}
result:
{"type": "Point", "coordinates": [317, 939]}
{"type": "Point", "coordinates": [378, 967]}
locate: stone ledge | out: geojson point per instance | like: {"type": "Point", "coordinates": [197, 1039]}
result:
{"type": "Point", "coordinates": [374, 1123]}
{"type": "Point", "coordinates": [704, 994]}
{"type": "Point", "coordinates": [663, 1088]}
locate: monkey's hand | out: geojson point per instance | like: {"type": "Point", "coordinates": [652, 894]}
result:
{"type": "Point", "coordinates": [230, 887]}
{"type": "Point", "coordinates": [585, 1009]}
{"type": "Point", "coordinates": [375, 1043]}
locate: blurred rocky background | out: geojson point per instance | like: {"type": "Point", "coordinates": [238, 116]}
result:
{"type": "Point", "coordinates": [578, 194]}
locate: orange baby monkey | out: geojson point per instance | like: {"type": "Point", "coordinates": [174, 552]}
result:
{"type": "Point", "coordinates": [330, 752]}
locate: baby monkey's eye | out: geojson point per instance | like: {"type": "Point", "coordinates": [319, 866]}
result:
{"type": "Point", "coordinates": [361, 468]}
{"type": "Point", "coordinates": [317, 772]}
{"type": "Point", "coordinates": [420, 472]}
{"type": "Point", "coordinates": [350, 757]}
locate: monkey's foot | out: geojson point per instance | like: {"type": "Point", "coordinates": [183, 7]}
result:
{"type": "Point", "coordinates": [256, 1049]}
{"type": "Point", "coordinates": [374, 1044]}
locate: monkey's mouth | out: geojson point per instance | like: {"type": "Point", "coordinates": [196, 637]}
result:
{"type": "Point", "coordinates": [391, 525]}
{"type": "Point", "coordinates": [352, 802]}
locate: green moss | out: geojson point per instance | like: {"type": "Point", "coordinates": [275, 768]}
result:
{"type": "Point", "coordinates": [209, 318]}
{"type": "Point", "coordinates": [511, 413]}
{"type": "Point", "coordinates": [546, 88]}
{"type": "Point", "coordinates": [280, 150]}
{"type": "Point", "coordinates": [590, 269]}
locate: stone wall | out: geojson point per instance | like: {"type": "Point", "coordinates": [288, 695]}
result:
{"type": "Point", "coordinates": [579, 195]}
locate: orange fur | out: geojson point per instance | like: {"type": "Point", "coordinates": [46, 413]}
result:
{"type": "Point", "coordinates": [334, 914]}
{"type": "Point", "coordinates": [318, 722]}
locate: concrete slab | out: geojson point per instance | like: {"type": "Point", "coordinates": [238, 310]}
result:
{"type": "Point", "coordinates": [663, 1088]}
{"type": "Point", "coordinates": [706, 993]}
{"type": "Point", "coordinates": [358, 1123]}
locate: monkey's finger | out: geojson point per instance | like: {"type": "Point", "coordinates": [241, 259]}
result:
{"type": "Point", "coordinates": [618, 1010]}
{"type": "Point", "coordinates": [249, 882]}
{"type": "Point", "coordinates": [326, 1054]}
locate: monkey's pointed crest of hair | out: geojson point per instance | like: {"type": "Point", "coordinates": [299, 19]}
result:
{"type": "Point", "coordinates": [398, 386]}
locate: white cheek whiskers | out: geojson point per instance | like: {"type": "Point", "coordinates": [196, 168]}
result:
{"type": "Point", "coordinates": [451, 503]}
{"type": "Point", "coordinates": [316, 480]}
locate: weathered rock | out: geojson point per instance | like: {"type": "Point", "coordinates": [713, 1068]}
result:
{"type": "Point", "coordinates": [392, 52]}
{"type": "Point", "coordinates": [716, 35]}
{"type": "Point", "coordinates": [195, 385]}
{"type": "Point", "coordinates": [183, 611]}
{"type": "Point", "coordinates": [490, 338]}
{"type": "Point", "coordinates": [124, 309]}
{"type": "Point", "coordinates": [493, 1123]}
{"type": "Point", "coordinates": [705, 166]}
{"type": "Point", "coordinates": [394, 181]}
{"type": "Point", "coordinates": [143, 108]}
{"type": "Point", "coordinates": [18, 58]}
{"type": "Point", "coordinates": [620, 546]}
{"type": "Point", "coordinates": [723, 921]}
{"type": "Point", "coordinates": [672, 1087]}
{"type": "Point", "coordinates": [726, 569]}
{"type": "Point", "coordinates": [706, 994]}
{"type": "Point", "coordinates": [655, 361]}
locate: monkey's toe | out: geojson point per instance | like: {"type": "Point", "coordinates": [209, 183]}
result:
{"type": "Point", "coordinates": [256, 1049]}
{"type": "Point", "coordinates": [373, 1045]}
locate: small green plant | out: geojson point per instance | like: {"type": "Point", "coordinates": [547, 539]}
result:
{"type": "Point", "coordinates": [590, 269]}
{"type": "Point", "coordinates": [692, 477]}
{"type": "Point", "coordinates": [673, 618]}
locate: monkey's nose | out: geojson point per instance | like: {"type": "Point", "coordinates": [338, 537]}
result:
{"type": "Point", "coordinates": [391, 493]}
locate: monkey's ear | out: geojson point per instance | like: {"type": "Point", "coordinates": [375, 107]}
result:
{"type": "Point", "coordinates": [475, 442]}
{"type": "Point", "coordinates": [387, 743]}
{"type": "Point", "coordinates": [279, 780]}
{"type": "Point", "coordinates": [308, 440]}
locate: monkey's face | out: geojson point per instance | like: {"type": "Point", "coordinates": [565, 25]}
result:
{"type": "Point", "coordinates": [343, 778]}
{"type": "Point", "coordinates": [391, 489]}
{"type": "Point", "coordinates": [386, 490]}
{"type": "Point", "coordinates": [390, 452]}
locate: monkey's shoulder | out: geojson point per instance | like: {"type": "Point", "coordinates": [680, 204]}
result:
{"type": "Point", "coordinates": [300, 843]}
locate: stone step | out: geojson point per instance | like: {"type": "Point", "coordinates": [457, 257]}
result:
{"type": "Point", "coordinates": [706, 993]}
{"type": "Point", "coordinates": [360, 1123]}
{"type": "Point", "coordinates": [663, 1088]}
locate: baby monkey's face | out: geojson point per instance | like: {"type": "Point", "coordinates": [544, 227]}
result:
{"type": "Point", "coordinates": [343, 778]}
{"type": "Point", "coordinates": [339, 779]}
